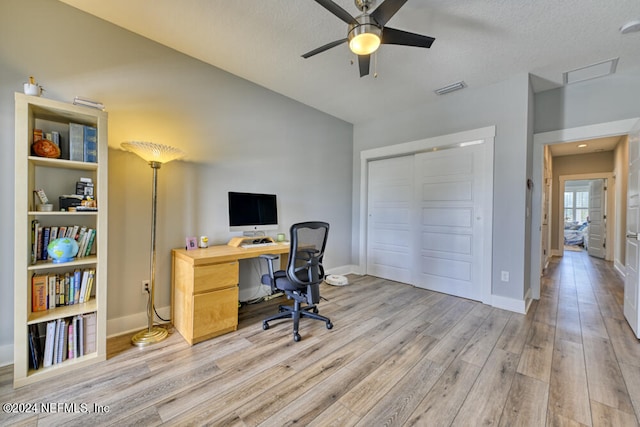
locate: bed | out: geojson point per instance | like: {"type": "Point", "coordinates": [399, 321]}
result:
{"type": "Point", "coordinates": [576, 234]}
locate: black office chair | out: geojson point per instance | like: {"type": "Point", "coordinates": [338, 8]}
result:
{"type": "Point", "coordinates": [301, 281]}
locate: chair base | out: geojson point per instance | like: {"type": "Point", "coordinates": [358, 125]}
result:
{"type": "Point", "coordinates": [296, 313]}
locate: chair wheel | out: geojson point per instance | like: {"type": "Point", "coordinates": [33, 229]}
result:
{"type": "Point", "coordinates": [265, 325]}
{"type": "Point", "coordinates": [296, 337]}
{"type": "Point", "coordinates": [329, 325]}
{"type": "Point", "coordinates": [315, 310]}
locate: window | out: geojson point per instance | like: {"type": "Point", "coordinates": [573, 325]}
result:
{"type": "Point", "coordinates": [576, 206]}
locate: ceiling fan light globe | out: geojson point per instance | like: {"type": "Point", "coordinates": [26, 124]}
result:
{"type": "Point", "coordinates": [364, 44]}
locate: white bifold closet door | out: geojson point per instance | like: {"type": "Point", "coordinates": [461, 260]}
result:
{"type": "Point", "coordinates": [425, 220]}
{"type": "Point", "coordinates": [389, 222]}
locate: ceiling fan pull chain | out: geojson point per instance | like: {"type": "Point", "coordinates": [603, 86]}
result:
{"type": "Point", "coordinates": [375, 65]}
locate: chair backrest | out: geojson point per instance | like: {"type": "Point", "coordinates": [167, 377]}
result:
{"type": "Point", "coordinates": [305, 269]}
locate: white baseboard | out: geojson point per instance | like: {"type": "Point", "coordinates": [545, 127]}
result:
{"type": "Point", "coordinates": [343, 270]}
{"type": "Point", "coordinates": [619, 268]}
{"type": "Point", "coordinates": [512, 304]}
{"type": "Point", "coordinates": [133, 322]}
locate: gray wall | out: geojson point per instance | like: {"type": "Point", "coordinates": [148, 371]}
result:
{"type": "Point", "coordinates": [238, 136]}
{"type": "Point", "coordinates": [505, 105]}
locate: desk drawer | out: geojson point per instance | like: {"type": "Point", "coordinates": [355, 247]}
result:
{"type": "Point", "coordinates": [215, 313]}
{"type": "Point", "coordinates": [215, 276]}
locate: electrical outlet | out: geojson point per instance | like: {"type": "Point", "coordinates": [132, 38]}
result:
{"type": "Point", "coordinates": [145, 287]}
{"type": "Point", "coordinates": [504, 276]}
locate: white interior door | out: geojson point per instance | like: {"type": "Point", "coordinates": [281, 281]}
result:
{"type": "Point", "coordinates": [389, 222]}
{"type": "Point", "coordinates": [632, 262]}
{"type": "Point", "coordinates": [597, 218]}
{"type": "Point", "coordinates": [449, 234]}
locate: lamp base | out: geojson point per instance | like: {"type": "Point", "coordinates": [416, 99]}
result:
{"type": "Point", "coordinates": [148, 337]}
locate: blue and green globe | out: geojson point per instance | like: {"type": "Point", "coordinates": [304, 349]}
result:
{"type": "Point", "coordinates": [63, 249]}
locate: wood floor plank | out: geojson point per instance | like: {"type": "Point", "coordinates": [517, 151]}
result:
{"type": "Point", "coordinates": [443, 401]}
{"type": "Point", "coordinates": [569, 395]}
{"type": "Point", "coordinates": [606, 384]}
{"type": "Point", "coordinates": [537, 354]}
{"type": "Point", "coordinates": [495, 382]}
{"type": "Point", "coordinates": [627, 350]}
{"type": "Point", "coordinates": [526, 404]}
{"type": "Point", "coordinates": [607, 416]}
{"type": "Point", "coordinates": [631, 375]}
{"type": "Point", "coordinates": [484, 340]}
{"type": "Point", "coordinates": [361, 398]}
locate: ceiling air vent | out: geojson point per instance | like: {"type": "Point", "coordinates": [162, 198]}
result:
{"type": "Point", "coordinates": [451, 88]}
{"type": "Point", "coordinates": [599, 69]}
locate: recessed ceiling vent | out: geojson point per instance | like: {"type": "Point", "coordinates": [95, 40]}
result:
{"type": "Point", "coordinates": [451, 88]}
{"type": "Point", "coordinates": [599, 69]}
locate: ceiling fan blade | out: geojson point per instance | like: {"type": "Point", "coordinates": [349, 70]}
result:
{"type": "Point", "coordinates": [386, 10]}
{"type": "Point", "coordinates": [393, 36]}
{"type": "Point", "coordinates": [363, 63]}
{"type": "Point", "coordinates": [338, 11]}
{"type": "Point", "coordinates": [323, 48]}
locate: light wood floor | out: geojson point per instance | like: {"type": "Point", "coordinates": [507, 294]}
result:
{"type": "Point", "coordinates": [396, 356]}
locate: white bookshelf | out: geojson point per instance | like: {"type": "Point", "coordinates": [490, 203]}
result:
{"type": "Point", "coordinates": [56, 177]}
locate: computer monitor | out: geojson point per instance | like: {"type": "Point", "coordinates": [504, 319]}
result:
{"type": "Point", "coordinates": [251, 212]}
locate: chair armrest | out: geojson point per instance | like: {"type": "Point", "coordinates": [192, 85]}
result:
{"type": "Point", "coordinates": [270, 258]}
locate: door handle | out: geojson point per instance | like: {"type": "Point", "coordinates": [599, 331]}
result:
{"type": "Point", "coordinates": [632, 236]}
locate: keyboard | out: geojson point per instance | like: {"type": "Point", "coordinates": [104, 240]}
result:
{"type": "Point", "coordinates": [257, 245]}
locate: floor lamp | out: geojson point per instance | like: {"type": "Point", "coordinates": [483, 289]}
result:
{"type": "Point", "coordinates": [155, 155]}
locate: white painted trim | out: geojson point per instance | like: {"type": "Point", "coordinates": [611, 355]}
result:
{"type": "Point", "coordinates": [600, 130]}
{"type": "Point", "coordinates": [510, 304]}
{"type": "Point", "coordinates": [484, 135]}
{"type": "Point", "coordinates": [620, 269]}
{"type": "Point", "coordinates": [610, 212]}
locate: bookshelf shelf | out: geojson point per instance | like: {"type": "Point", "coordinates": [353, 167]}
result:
{"type": "Point", "coordinates": [57, 177]}
{"type": "Point", "coordinates": [34, 375]}
{"type": "Point", "coordinates": [66, 311]}
{"type": "Point", "coordinates": [62, 164]}
{"type": "Point", "coordinates": [48, 265]}
{"type": "Point", "coordinates": [62, 213]}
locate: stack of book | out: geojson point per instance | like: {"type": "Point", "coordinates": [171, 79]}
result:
{"type": "Point", "coordinates": [59, 289]}
{"type": "Point", "coordinates": [53, 342]}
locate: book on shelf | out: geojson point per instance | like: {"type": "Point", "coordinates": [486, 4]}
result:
{"type": "Point", "coordinates": [46, 234]}
{"type": "Point", "coordinates": [39, 286]}
{"type": "Point", "coordinates": [49, 341]}
{"type": "Point", "coordinates": [90, 144]}
{"type": "Point", "coordinates": [90, 333]}
{"type": "Point", "coordinates": [71, 344]}
{"type": "Point", "coordinates": [76, 142]}
{"type": "Point", "coordinates": [34, 240]}
{"type": "Point", "coordinates": [34, 356]}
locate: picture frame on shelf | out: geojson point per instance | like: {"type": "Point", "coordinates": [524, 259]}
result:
{"type": "Point", "coordinates": [192, 243]}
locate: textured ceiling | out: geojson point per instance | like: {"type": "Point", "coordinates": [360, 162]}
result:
{"type": "Point", "coordinates": [478, 41]}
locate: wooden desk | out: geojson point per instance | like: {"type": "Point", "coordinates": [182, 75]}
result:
{"type": "Point", "coordinates": [204, 288]}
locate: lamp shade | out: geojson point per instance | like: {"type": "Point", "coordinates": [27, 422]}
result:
{"type": "Point", "coordinates": [152, 152]}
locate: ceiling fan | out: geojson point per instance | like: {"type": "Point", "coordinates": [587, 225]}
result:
{"type": "Point", "coordinates": [367, 31]}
